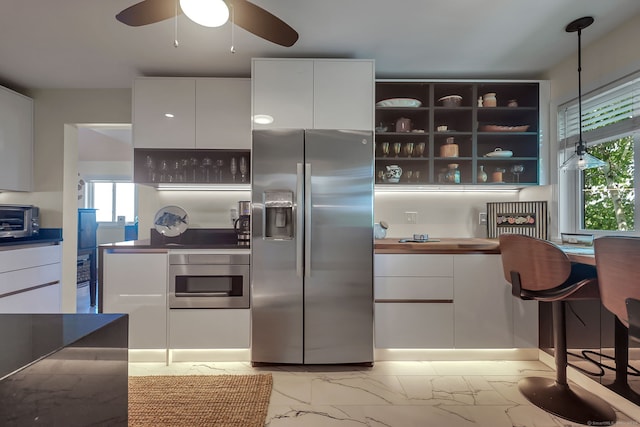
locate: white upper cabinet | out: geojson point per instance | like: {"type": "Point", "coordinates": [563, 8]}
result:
{"type": "Point", "coordinates": [153, 99]}
{"type": "Point", "coordinates": [208, 113]}
{"type": "Point", "coordinates": [343, 94]}
{"type": "Point", "coordinates": [223, 113]}
{"type": "Point", "coordinates": [314, 93]}
{"type": "Point", "coordinates": [16, 141]}
{"type": "Point", "coordinates": [283, 90]}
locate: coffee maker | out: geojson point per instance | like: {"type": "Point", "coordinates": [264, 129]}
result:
{"type": "Point", "coordinates": [242, 225]}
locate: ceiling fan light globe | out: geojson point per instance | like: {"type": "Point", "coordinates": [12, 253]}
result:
{"type": "Point", "coordinates": [208, 13]}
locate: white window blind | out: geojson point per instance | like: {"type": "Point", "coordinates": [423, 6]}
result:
{"type": "Point", "coordinates": [608, 112]}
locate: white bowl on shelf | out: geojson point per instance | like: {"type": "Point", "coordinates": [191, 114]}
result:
{"type": "Point", "coordinates": [498, 152]}
{"type": "Point", "coordinates": [399, 102]}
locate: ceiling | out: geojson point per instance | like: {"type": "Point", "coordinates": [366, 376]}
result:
{"type": "Point", "coordinates": [79, 44]}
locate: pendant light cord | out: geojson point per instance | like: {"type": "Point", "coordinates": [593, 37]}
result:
{"type": "Point", "coordinates": [581, 147]}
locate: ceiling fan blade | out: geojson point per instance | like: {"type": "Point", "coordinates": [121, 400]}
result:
{"type": "Point", "coordinates": [263, 24]}
{"type": "Point", "coordinates": [148, 12]}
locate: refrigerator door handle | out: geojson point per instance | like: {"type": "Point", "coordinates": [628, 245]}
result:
{"type": "Point", "coordinates": [307, 219]}
{"type": "Point", "coordinates": [299, 219]}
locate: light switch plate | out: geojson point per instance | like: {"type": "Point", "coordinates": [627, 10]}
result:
{"type": "Point", "coordinates": [411, 217]}
{"type": "Point", "coordinates": [482, 218]}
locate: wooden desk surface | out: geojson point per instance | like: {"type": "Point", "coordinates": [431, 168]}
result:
{"type": "Point", "coordinates": [580, 254]}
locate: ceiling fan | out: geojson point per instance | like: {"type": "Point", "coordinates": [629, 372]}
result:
{"type": "Point", "coordinates": [245, 14]}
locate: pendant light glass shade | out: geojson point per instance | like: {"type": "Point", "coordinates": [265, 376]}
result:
{"type": "Point", "coordinates": [580, 160]}
{"type": "Point", "coordinates": [209, 13]}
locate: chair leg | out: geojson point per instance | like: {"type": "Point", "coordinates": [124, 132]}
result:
{"type": "Point", "coordinates": [555, 396]}
{"type": "Point", "coordinates": [621, 382]}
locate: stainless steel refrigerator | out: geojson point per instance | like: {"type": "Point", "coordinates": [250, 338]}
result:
{"type": "Point", "coordinates": [312, 247]}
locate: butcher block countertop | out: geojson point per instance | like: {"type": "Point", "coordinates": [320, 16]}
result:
{"type": "Point", "coordinates": [438, 245]}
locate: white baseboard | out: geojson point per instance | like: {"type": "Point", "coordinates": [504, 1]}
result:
{"type": "Point", "coordinates": [422, 354]}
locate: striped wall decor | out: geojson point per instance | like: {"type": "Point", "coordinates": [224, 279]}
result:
{"type": "Point", "coordinates": [528, 218]}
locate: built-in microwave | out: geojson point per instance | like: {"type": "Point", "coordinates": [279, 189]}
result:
{"type": "Point", "coordinates": [209, 280]}
{"type": "Point", "coordinates": [19, 221]}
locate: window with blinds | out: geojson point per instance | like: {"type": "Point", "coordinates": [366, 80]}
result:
{"type": "Point", "coordinates": [607, 112]}
{"type": "Point", "coordinates": [605, 198]}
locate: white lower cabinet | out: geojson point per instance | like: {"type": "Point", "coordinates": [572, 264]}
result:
{"type": "Point", "coordinates": [41, 300]}
{"type": "Point", "coordinates": [483, 303]}
{"type": "Point", "coordinates": [30, 279]}
{"type": "Point", "coordinates": [136, 284]}
{"type": "Point", "coordinates": [413, 301]}
{"type": "Point", "coordinates": [413, 325]}
{"type": "Point", "coordinates": [449, 301]}
{"type": "Point", "coordinates": [209, 328]}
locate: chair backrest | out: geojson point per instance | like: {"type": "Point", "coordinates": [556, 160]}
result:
{"type": "Point", "coordinates": [618, 265]}
{"type": "Point", "coordinates": [540, 264]}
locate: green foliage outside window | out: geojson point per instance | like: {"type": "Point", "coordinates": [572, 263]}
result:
{"type": "Point", "coordinates": [609, 197]}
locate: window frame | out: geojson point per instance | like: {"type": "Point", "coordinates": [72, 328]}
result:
{"type": "Point", "coordinates": [90, 197]}
{"type": "Point", "coordinates": [570, 183]}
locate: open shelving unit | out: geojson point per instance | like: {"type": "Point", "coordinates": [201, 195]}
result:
{"type": "Point", "coordinates": [466, 124]}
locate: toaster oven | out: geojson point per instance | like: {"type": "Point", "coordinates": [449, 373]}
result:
{"type": "Point", "coordinates": [19, 221]}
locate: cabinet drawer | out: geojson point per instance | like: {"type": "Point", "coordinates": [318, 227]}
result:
{"type": "Point", "coordinates": [17, 280]}
{"type": "Point", "coordinates": [41, 300]}
{"type": "Point", "coordinates": [17, 259]}
{"type": "Point", "coordinates": [209, 329]}
{"type": "Point", "coordinates": [419, 288]}
{"type": "Point", "coordinates": [413, 325]}
{"type": "Point", "coordinates": [413, 265]}
{"type": "Point", "coordinates": [147, 318]}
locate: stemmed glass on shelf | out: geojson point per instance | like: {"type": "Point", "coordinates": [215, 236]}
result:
{"type": "Point", "coordinates": [243, 169]}
{"type": "Point", "coordinates": [233, 168]}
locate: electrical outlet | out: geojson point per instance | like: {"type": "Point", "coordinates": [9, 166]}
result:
{"type": "Point", "coordinates": [482, 218]}
{"type": "Point", "coordinates": [411, 217]}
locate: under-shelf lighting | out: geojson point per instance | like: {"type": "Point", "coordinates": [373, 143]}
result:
{"type": "Point", "coordinates": [208, 13]}
{"type": "Point", "coordinates": [203, 187]}
{"type": "Point", "coordinates": [395, 188]}
{"type": "Point", "coordinates": [169, 115]}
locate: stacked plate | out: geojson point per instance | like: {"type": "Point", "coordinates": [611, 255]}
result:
{"type": "Point", "coordinates": [399, 102]}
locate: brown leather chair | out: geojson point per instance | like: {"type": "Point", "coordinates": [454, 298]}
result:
{"type": "Point", "coordinates": [618, 265]}
{"type": "Point", "coordinates": [539, 270]}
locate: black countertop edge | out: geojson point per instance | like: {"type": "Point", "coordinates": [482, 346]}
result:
{"type": "Point", "coordinates": [35, 336]}
{"type": "Point", "coordinates": [46, 235]}
{"type": "Point", "coordinates": [192, 238]}
{"type": "Point", "coordinates": [146, 244]}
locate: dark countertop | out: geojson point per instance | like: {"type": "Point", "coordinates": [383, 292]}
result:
{"type": "Point", "coordinates": [64, 369]}
{"type": "Point", "coordinates": [28, 338]}
{"type": "Point", "coordinates": [146, 246]}
{"type": "Point", "coordinates": [440, 245]}
{"type": "Point", "coordinates": [192, 238]}
{"type": "Point", "coordinates": [46, 236]}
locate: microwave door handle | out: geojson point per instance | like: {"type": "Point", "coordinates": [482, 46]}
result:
{"type": "Point", "coordinates": [201, 294]}
{"type": "Point", "coordinates": [307, 220]}
{"type": "Point", "coordinates": [298, 230]}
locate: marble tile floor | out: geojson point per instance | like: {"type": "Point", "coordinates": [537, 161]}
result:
{"type": "Point", "coordinates": [392, 394]}
{"type": "Point", "coordinates": [83, 301]}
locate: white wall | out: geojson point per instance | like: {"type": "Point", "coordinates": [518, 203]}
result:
{"type": "Point", "coordinates": [206, 209]}
{"type": "Point", "coordinates": [55, 162]}
{"type": "Point", "coordinates": [603, 61]}
{"type": "Point", "coordinates": [445, 214]}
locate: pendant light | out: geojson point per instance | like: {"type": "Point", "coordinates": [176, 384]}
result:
{"type": "Point", "coordinates": [209, 13]}
{"type": "Point", "coordinates": [580, 159]}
